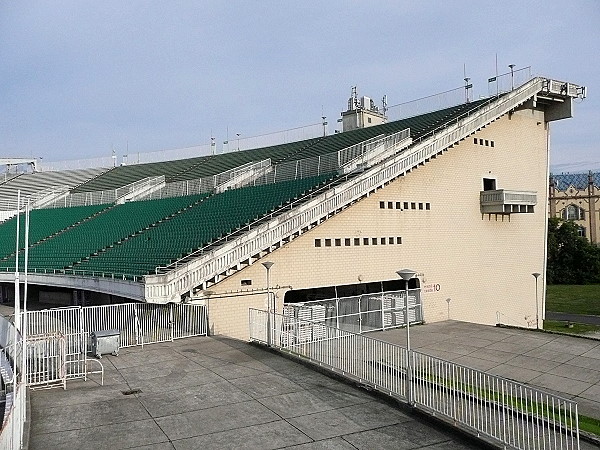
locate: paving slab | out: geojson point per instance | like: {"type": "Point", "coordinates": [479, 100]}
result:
{"type": "Point", "coordinates": [267, 436]}
{"type": "Point", "coordinates": [516, 373]}
{"type": "Point", "coordinates": [212, 393]}
{"type": "Point", "coordinates": [192, 398]}
{"type": "Point", "coordinates": [395, 437]}
{"type": "Point", "coordinates": [108, 437]}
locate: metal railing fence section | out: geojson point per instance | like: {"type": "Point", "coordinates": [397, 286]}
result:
{"type": "Point", "coordinates": [112, 317]}
{"type": "Point", "coordinates": [507, 412]}
{"type": "Point", "coordinates": [11, 370]}
{"type": "Point", "coordinates": [59, 339]}
{"type": "Point", "coordinates": [361, 313]}
{"type": "Point", "coordinates": [11, 435]}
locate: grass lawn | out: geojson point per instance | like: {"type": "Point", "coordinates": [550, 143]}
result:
{"type": "Point", "coordinates": [578, 328]}
{"type": "Point", "coordinates": [574, 299]}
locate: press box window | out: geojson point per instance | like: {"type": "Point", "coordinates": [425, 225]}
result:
{"type": "Point", "coordinates": [347, 242]}
{"type": "Point", "coordinates": [327, 242]}
{"type": "Point", "coordinates": [338, 242]}
{"type": "Point", "coordinates": [381, 205]}
{"type": "Point", "coordinates": [365, 241]}
{"type": "Point", "coordinates": [356, 241]}
{"type": "Point", "coordinates": [317, 242]}
{"type": "Point", "coordinates": [246, 282]}
{"type": "Point", "coordinates": [405, 205]}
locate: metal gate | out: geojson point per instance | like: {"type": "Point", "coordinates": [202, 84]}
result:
{"type": "Point", "coordinates": [46, 360]}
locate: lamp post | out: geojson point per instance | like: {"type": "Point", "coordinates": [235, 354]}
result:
{"type": "Point", "coordinates": [536, 275]}
{"type": "Point", "coordinates": [407, 274]}
{"type": "Point", "coordinates": [267, 265]}
{"type": "Point", "coordinates": [512, 76]}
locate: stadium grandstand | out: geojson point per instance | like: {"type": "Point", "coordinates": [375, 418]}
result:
{"type": "Point", "coordinates": [458, 194]}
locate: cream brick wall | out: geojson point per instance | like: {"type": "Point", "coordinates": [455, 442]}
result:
{"type": "Point", "coordinates": [482, 263]}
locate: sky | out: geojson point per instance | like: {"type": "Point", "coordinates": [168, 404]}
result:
{"type": "Point", "coordinates": [79, 79]}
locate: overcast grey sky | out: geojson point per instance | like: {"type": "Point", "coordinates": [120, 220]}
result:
{"type": "Point", "coordinates": [78, 78]}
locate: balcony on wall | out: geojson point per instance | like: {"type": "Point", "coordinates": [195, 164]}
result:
{"type": "Point", "coordinates": [504, 201]}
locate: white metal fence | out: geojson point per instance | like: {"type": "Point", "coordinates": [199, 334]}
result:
{"type": "Point", "coordinates": [12, 387]}
{"type": "Point", "coordinates": [59, 339]}
{"type": "Point", "coordinates": [504, 411]}
{"type": "Point", "coordinates": [361, 313]}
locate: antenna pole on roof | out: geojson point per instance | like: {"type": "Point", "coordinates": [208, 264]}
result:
{"type": "Point", "coordinates": [384, 105]}
{"type": "Point", "coordinates": [497, 86]}
{"type": "Point", "coordinates": [467, 85]}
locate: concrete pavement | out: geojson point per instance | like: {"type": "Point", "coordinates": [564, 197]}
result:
{"type": "Point", "coordinates": [566, 365]}
{"type": "Point", "coordinates": [220, 393]}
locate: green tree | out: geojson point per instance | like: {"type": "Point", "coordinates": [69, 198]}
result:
{"type": "Point", "coordinates": [571, 258]}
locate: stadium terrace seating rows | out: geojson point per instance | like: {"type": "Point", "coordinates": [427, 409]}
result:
{"type": "Point", "coordinates": [42, 224]}
{"type": "Point", "coordinates": [112, 225]}
{"type": "Point", "coordinates": [135, 237]}
{"type": "Point", "coordinates": [188, 169]}
{"type": "Point", "coordinates": [196, 227]}
{"type": "Point", "coordinates": [29, 184]}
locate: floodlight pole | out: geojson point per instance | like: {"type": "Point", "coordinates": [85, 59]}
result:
{"type": "Point", "coordinates": [24, 312]}
{"type": "Point", "coordinates": [271, 309]}
{"type": "Point", "coordinates": [537, 309]}
{"type": "Point", "coordinates": [407, 274]}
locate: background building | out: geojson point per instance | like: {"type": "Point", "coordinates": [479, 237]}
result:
{"type": "Point", "coordinates": [575, 197]}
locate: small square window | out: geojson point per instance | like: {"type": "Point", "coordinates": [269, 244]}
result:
{"type": "Point", "coordinates": [246, 282]}
{"type": "Point", "coordinates": [487, 143]}
{"type": "Point", "coordinates": [398, 205]}
{"type": "Point", "coordinates": [427, 206]}
{"type": "Point", "coordinates": [421, 206]}
{"type": "Point", "coordinates": [390, 240]}
{"type": "Point", "coordinates": [480, 141]}
{"type": "Point", "coordinates": [356, 241]}
{"type": "Point", "coordinates": [474, 140]}
{"type": "Point", "coordinates": [398, 240]}
{"type": "Point", "coordinates": [374, 241]}
{"type": "Point", "coordinates": [381, 205]}
{"type": "Point", "coordinates": [405, 205]}
{"type": "Point", "coordinates": [382, 241]}
{"type": "Point", "coordinates": [489, 184]}
{"type": "Point", "coordinates": [327, 242]}
{"type": "Point", "coordinates": [390, 205]}
{"type": "Point", "coordinates": [413, 205]}
{"type": "Point", "coordinates": [369, 119]}
{"type": "Point", "coordinates": [365, 241]}
{"type": "Point", "coordinates": [347, 242]}
{"type": "Point", "coordinates": [317, 242]}
{"type": "Point", "coordinates": [338, 242]}
{"type": "Point", "coordinates": [491, 143]}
